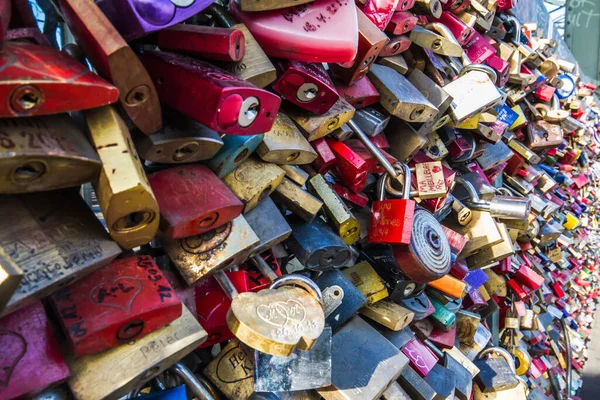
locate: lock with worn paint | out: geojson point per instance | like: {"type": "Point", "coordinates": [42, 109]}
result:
{"type": "Point", "coordinates": [378, 363]}
{"type": "Point", "coordinates": [124, 194]}
{"type": "Point", "coordinates": [361, 94]}
{"type": "Point", "coordinates": [372, 120]}
{"type": "Point", "coordinates": [26, 342]}
{"type": "Point", "coordinates": [121, 302]}
{"type": "Point", "coordinates": [365, 278]}
{"type": "Point", "coordinates": [116, 372]}
{"type": "Point", "coordinates": [349, 166]}
{"type": "Point", "coordinates": [346, 298]}
{"type": "Point", "coordinates": [391, 220]}
{"type": "Point", "coordinates": [297, 200]}
{"type": "Point", "coordinates": [337, 212]}
{"type": "Point", "coordinates": [235, 150]}
{"type": "Point", "coordinates": [389, 314]}
{"type": "Point", "coordinates": [202, 255]}
{"type": "Point", "coordinates": [316, 246]}
{"type": "Point", "coordinates": [192, 200]}
{"type": "Point", "coordinates": [306, 85]}
{"type": "Point", "coordinates": [180, 140]}
{"type": "Point", "coordinates": [64, 87]}
{"type": "Point", "coordinates": [253, 180]}
{"type": "Point", "coordinates": [232, 370]}
{"type": "Point", "coordinates": [314, 126]}
{"type": "Point", "coordinates": [115, 60]}
{"type": "Point", "coordinates": [55, 239]}
{"type": "Point", "coordinates": [231, 105]}
{"type": "Point", "coordinates": [45, 153]}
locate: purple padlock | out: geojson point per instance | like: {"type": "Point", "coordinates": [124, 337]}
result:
{"type": "Point", "coordinates": [136, 18]}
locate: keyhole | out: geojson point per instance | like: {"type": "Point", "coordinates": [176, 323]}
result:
{"type": "Point", "coordinates": [28, 101]}
{"type": "Point", "coordinates": [437, 43]}
{"type": "Point", "coordinates": [418, 300]}
{"type": "Point", "coordinates": [185, 152]}
{"type": "Point", "coordinates": [240, 156]}
{"type": "Point", "coordinates": [29, 172]}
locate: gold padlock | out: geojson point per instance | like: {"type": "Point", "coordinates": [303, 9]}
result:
{"type": "Point", "coordinates": [388, 314]}
{"type": "Point", "coordinates": [284, 144]}
{"type": "Point", "coordinates": [253, 180]}
{"type": "Point", "coordinates": [10, 277]}
{"type": "Point", "coordinates": [124, 194]}
{"type": "Point", "coordinates": [232, 370]}
{"type": "Point", "coordinates": [297, 200]}
{"type": "Point", "coordinates": [482, 232]}
{"type": "Point", "coordinates": [494, 253]}
{"type": "Point", "coordinates": [44, 153]}
{"type": "Point", "coordinates": [115, 372]}
{"type": "Point", "coordinates": [365, 278]}
{"type": "Point", "coordinates": [315, 126]}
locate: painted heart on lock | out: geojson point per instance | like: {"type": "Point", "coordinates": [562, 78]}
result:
{"type": "Point", "coordinates": [15, 345]}
{"type": "Point", "coordinates": [119, 294]}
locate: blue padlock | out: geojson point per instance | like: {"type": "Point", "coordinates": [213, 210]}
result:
{"type": "Point", "coordinates": [352, 301]}
{"type": "Point", "coordinates": [235, 150]}
{"type": "Point", "coordinates": [177, 393]}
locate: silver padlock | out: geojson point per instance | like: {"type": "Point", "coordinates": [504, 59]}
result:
{"type": "Point", "coordinates": [506, 207]}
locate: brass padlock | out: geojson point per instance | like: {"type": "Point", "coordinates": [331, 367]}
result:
{"type": "Point", "coordinates": [482, 232]}
{"type": "Point", "coordinates": [284, 144]}
{"type": "Point", "coordinates": [389, 314]}
{"type": "Point", "coordinates": [44, 153]}
{"type": "Point", "coordinates": [232, 370]}
{"type": "Point", "coordinates": [253, 180]}
{"type": "Point", "coordinates": [116, 372]}
{"type": "Point", "coordinates": [55, 239]}
{"type": "Point", "coordinates": [124, 194]}
{"type": "Point", "coordinates": [494, 253]}
{"type": "Point", "coordinates": [10, 277]}
{"type": "Point", "coordinates": [315, 126]}
{"type": "Point", "coordinates": [297, 200]}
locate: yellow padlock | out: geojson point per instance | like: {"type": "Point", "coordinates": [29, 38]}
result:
{"type": "Point", "coordinates": [571, 222]}
{"type": "Point", "coordinates": [520, 121]}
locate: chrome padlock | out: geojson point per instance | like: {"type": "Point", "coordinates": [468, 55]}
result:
{"type": "Point", "coordinates": [391, 220]}
{"type": "Point", "coordinates": [505, 207]}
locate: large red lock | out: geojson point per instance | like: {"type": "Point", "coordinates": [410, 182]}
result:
{"type": "Point", "coordinates": [360, 94]}
{"type": "Point", "coordinates": [391, 220]}
{"type": "Point", "coordinates": [228, 104]}
{"type": "Point", "coordinates": [212, 305]}
{"type": "Point", "coordinates": [192, 200]}
{"type": "Point", "coordinates": [126, 300]}
{"type": "Point", "coordinates": [30, 359]}
{"type": "Point", "coordinates": [214, 43]}
{"type": "Point", "coordinates": [349, 166]}
{"type": "Point", "coordinates": [501, 67]}
{"type": "Point", "coordinates": [478, 49]}
{"type": "Point", "coordinates": [40, 80]}
{"type": "Point", "coordinates": [461, 31]}
{"type": "Point", "coordinates": [307, 85]}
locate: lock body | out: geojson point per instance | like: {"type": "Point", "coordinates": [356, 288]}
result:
{"type": "Point", "coordinates": [10, 277]}
{"type": "Point", "coordinates": [64, 87]}
{"type": "Point", "coordinates": [28, 341]}
{"type": "Point", "coordinates": [315, 126]}
{"type": "Point", "coordinates": [268, 224]}
{"type": "Point", "coordinates": [297, 200]}
{"type": "Point", "coordinates": [124, 194]}
{"type": "Point", "coordinates": [349, 166]}
{"type": "Point", "coordinates": [235, 150]}
{"type": "Point", "coordinates": [202, 255]}
{"type": "Point", "coordinates": [45, 153]}
{"type": "Point", "coordinates": [284, 144]}
{"type": "Point", "coordinates": [183, 81]}
{"type": "Point", "coordinates": [134, 19]}
{"type": "Point", "coordinates": [124, 301]}
{"type": "Point", "coordinates": [192, 200]}
{"type": "Point", "coordinates": [361, 94]}
{"type": "Point", "coordinates": [232, 370]}
{"type": "Point", "coordinates": [114, 60]}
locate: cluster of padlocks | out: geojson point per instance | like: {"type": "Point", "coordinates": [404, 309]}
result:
{"type": "Point", "coordinates": [293, 199]}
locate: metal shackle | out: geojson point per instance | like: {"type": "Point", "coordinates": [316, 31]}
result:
{"type": "Point", "coordinates": [404, 170]}
{"type": "Point", "coordinates": [501, 352]}
{"type": "Point", "coordinates": [299, 280]}
{"type": "Point", "coordinates": [481, 68]}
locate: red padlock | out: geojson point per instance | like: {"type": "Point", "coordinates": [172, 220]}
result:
{"type": "Point", "coordinates": [401, 22]}
{"type": "Point", "coordinates": [379, 11]}
{"type": "Point", "coordinates": [357, 146]}
{"type": "Point", "coordinates": [421, 358]}
{"type": "Point", "coordinates": [212, 305]}
{"type": "Point", "coordinates": [404, 5]}
{"type": "Point", "coordinates": [307, 85]}
{"type": "Point", "coordinates": [461, 31]}
{"type": "Point", "coordinates": [391, 220]}
{"type": "Point", "coordinates": [125, 300]}
{"type": "Point", "coordinates": [214, 43]}
{"type": "Point", "coordinates": [256, 280]}
{"type": "Point", "coordinates": [360, 95]}
{"type": "Point", "coordinates": [396, 45]}
{"type": "Point", "coordinates": [359, 199]}
{"type": "Point", "coordinates": [544, 93]}
{"type": "Point", "coordinates": [456, 6]}
{"type": "Point", "coordinates": [229, 105]}
{"type": "Point", "coordinates": [40, 80]}
{"type": "Point", "coordinates": [478, 49]}
{"type": "Point", "coordinates": [501, 67]}
{"type": "Point", "coordinates": [517, 290]}
{"type": "Point", "coordinates": [380, 140]}
{"type": "Point", "coordinates": [192, 200]}
{"type": "Point", "coordinates": [5, 11]}
{"type": "Point", "coordinates": [30, 359]}
{"type": "Point", "coordinates": [529, 277]}
{"type": "Point", "coordinates": [325, 157]}
{"type": "Point", "coordinates": [349, 166]}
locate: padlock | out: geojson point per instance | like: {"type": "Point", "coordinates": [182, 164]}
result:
{"type": "Point", "coordinates": [395, 392]}
{"type": "Point", "coordinates": [415, 386]}
{"type": "Point", "coordinates": [434, 42]}
{"type": "Point", "coordinates": [180, 140]}
{"type": "Point", "coordinates": [374, 167]}
{"type": "Point", "coordinates": [442, 317]}
{"type": "Point", "coordinates": [250, 110]}
{"type": "Point", "coordinates": [315, 126]}
{"type": "Point", "coordinates": [295, 199]}
{"type": "Point", "coordinates": [124, 194]}
{"type": "Point", "coordinates": [302, 370]}
{"type": "Point", "coordinates": [5, 11]}
{"type": "Point", "coordinates": [428, 7]}
{"type": "Point", "coordinates": [436, 95]}
{"type": "Point", "coordinates": [192, 200]}
{"type": "Point", "coordinates": [302, 32]}
{"type": "Point", "coordinates": [344, 299]}
{"type": "Point", "coordinates": [284, 144]}
{"type": "Point", "coordinates": [338, 214]}
{"type": "Point", "coordinates": [213, 43]}
{"type": "Point", "coordinates": [404, 140]}
{"type": "Point", "coordinates": [64, 87]}
{"type": "Point", "coordinates": [399, 97]}
{"type": "Point", "coordinates": [419, 304]}
{"type": "Point", "coordinates": [365, 278]}
{"type": "Point", "coordinates": [421, 358]}
{"type": "Point", "coordinates": [316, 246]}
{"type": "Point", "coordinates": [55, 239]}
{"type": "Point", "coordinates": [542, 135]}
{"type": "Point", "coordinates": [115, 60]}
{"type": "Point", "coordinates": [392, 220]}
{"type": "Point", "coordinates": [198, 256]}
{"type": "Point", "coordinates": [27, 341]}
{"type": "Point", "coordinates": [396, 45]}
{"type": "Point", "coordinates": [252, 318]}
{"type": "Point", "coordinates": [494, 253]}
{"type": "Point", "coordinates": [430, 180]}
{"type": "Point", "coordinates": [401, 23]}
{"type": "Point", "coordinates": [235, 150]}
{"type": "Point", "coordinates": [506, 207]}
{"type": "Point", "coordinates": [378, 363]}
{"type": "Point", "coordinates": [349, 166]}
{"type": "Point", "coordinates": [482, 232]}
{"type": "Point", "coordinates": [371, 41]}
{"type": "Point", "coordinates": [389, 314]}
{"type": "Point", "coordinates": [10, 277]}
{"type": "Point", "coordinates": [232, 370]}
{"type": "Point", "coordinates": [116, 372]}
{"type": "Point", "coordinates": [361, 94]}
{"type": "Point", "coordinates": [306, 85]}
{"type": "Point", "coordinates": [397, 63]}
{"type": "Point", "coordinates": [45, 153]}
{"type": "Point", "coordinates": [124, 301]}
{"type": "Point", "coordinates": [371, 120]}
{"type": "Point", "coordinates": [295, 174]}
{"type": "Point", "coordinates": [496, 375]}
{"type": "Point", "coordinates": [253, 180]}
